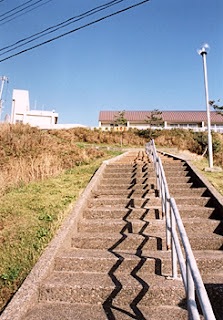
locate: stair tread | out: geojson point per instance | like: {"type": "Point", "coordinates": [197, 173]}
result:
{"type": "Point", "coordinates": [100, 280]}
{"type": "Point", "coordinates": [61, 311]}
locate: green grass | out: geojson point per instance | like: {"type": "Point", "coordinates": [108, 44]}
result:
{"type": "Point", "coordinates": [215, 178]}
{"type": "Point", "coordinates": [30, 216]}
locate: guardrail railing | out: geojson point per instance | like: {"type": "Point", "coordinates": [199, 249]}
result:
{"type": "Point", "coordinates": [188, 267]}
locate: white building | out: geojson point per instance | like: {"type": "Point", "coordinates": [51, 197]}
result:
{"type": "Point", "coordinates": [21, 112]}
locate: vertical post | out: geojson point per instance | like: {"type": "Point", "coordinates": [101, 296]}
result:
{"type": "Point", "coordinates": [173, 251]}
{"type": "Point", "coordinates": [210, 155]}
{"type": "Point", "coordinates": [168, 234]}
{"type": "Point", "coordinates": [190, 291]}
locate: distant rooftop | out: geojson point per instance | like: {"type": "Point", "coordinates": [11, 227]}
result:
{"type": "Point", "coordinates": [170, 116]}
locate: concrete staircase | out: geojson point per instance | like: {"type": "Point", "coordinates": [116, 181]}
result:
{"type": "Point", "coordinates": [116, 265]}
{"type": "Point", "coordinates": [203, 221]}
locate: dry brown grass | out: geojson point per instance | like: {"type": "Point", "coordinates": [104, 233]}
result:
{"type": "Point", "coordinates": [129, 138]}
{"type": "Point", "coordinates": [28, 154]}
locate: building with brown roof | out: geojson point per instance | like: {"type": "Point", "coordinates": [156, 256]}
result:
{"type": "Point", "coordinates": [196, 120]}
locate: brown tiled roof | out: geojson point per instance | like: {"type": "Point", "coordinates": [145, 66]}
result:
{"type": "Point", "coordinates": [169, 116]}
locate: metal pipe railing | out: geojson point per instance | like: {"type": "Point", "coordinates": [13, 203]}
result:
{"type": "Point", "coordinates": [188, 267]}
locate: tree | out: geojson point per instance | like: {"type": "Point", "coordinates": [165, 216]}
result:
{"type": "Point", "coordinates": [216, 107]}
{"type": "Point", "coordinates": [120, 119]}
{"type": "Point", "coordinates": [155, 118]}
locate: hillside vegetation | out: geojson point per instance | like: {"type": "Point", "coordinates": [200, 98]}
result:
{"type": "Point", "coordinates": [28, 154]}
{"type": "Point", "coordinates": [195, 142]}
{"type": "Point", "coordinates": [42, 174]}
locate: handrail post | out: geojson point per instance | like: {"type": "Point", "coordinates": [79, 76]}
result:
{"type": "Point", "coordinates": [168, 232]}
{"type": "Point", "coordinates": [173, 251]}
{"type": "Point", "coordinates": [158, 183]}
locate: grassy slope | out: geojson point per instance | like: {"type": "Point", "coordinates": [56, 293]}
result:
{"type": "Point", "coordinates": [215, 178]}
{"type": "Point", "coordinates": [30, 217]}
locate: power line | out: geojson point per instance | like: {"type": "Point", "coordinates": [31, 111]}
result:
{"type": "Point", "coordinates": [76, 29]}
{"type": "Point", "coordinates": [21, 14]}
{"type": "Point", "coordinates": [21, 5]}
{"type": "Point", "coordinates": [59, 26]}
{"type": "Point", "coordinates": [20, 10]}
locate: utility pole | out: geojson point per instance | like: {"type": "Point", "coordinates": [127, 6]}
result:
{"type": "Point", "coordinates": [3, 79]}
{"type": "Point", "coordinates": [203, 52]}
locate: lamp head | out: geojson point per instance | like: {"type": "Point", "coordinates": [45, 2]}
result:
{"type": "Point", "coordinates": [204, 49]}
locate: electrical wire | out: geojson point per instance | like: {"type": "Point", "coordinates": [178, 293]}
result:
{"type": "Point", "coordinates": [74, 30]}
{"type": "Point", "coordinates": [59, 26]}
{"type": "Point", "coordinates": [21, 14]}
{"type": "Point", "coordinates": [21, 5]}
{"type": "Point", "coordinates": [20, 10]}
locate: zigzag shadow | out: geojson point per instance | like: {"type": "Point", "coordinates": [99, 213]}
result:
{"type": "Point", "coordinates": [108, 303]}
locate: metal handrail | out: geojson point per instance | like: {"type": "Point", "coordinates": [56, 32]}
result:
{"type": "Point", "coordinates": [189, 271]}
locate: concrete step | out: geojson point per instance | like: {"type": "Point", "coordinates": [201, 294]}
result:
{"type": "Point", "coordinates": [120, 242]}
{"type": "Point", "coordinates": [178, 180]}
{"type": "Point", "coordinates": [102, 261]}
{"type": "Point", "coordinates": [175, 185]}
{"type": "Point", "coordinates": [128, 203]}
{"type": "Point", "coordinates": [205, 241]}
{"type": "Point", "coordinates": [97, 288]}
{"type": "Point", "coordinates": [116, 226]}
{"type": "Point", "coordinates": [194, 211]}
{"type": "Point", "coordinates": [118, 181]}
{"type": "Point", "coordinates": [126, 186]}
{"type": "Point", "coordinates": [74, 311]}
{"type": "Point", "coordinates": [125, 176]}
{"type": "Point", "coordinates": [198, 192]}
{"type": "Point", "coordinates": [142, 193]}
{"type": "Point", "coordinates": [176, 173]}
{"type": "Point", "coordinates": [196, 201]}
{"type": "Point", "coordinates": [209, 261]}
{"type": "Point", "coordinates": [199, 225]}
{"type": "Point", "coordinates": [155, 262]}
{"type": "Point", "coordinates": [121, 213]}
{"type": "Point", "coordinates": [129, 170]}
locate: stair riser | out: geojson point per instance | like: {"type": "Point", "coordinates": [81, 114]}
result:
{"type": "Point", "coordinates": [129, 172]}
{"type": "Point", "coordinates": [207, 226]}
{"type": "Point", "coordinates": [103, 265]}
{"type": "Point", "coordinates": [87, 227]}
{"type": "Point", "coordinates": [175, 185]}
{"type": "Point", "coordinates": [153, 297]}
{"type": "Point", "coordinates": [208, 243]}
{"type": "Point", "coordinates": [127, 193]}
{"type": "Point", "coordinates": [127, 244]}
{"type": "Point", "coordinates": [127, 203]}
{"type": "Point", "coordinates": [150, 266]}
{"type": "Point", "coordinates": [178, 180]}
{"type": "Point", "coordinates": [186, 193]}
{"type": "Point", "coordinates": [195, 212]}
{"type": "Point", "coordinates": [120, 214]}
{"type": "Point", "coordinates": [192, 201]}
{"type": "Point", "coordinates": [210, 266]}
{"type": "Point", "coordinates": [179, 173]}
{"type": "Point", "coordinates": [128, 181]}
{"type": "Point", "coordinates": [128, 176]}
{"type": "Point", "coordinates": [126, 187]}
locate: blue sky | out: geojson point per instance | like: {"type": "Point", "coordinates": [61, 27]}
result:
{"type": "Point", "coordinates": [139, 60]}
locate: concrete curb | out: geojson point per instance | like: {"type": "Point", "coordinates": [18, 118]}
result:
{"type": "Point", "coordinates": [27, 295]}
{"type": "Point", "coordinates": [210, 187]}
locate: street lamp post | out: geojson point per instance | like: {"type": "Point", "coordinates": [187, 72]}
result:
{"type": "Point", "coordinates": [203, 52]}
